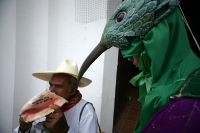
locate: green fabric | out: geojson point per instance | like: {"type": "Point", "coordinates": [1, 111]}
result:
{"type": "Point", "coordinates": [144, 81]}
{"type": "Point", "coordinates": [135, 49]}
{"type": "Point", "coordinates": [172, 62]}
{"type": "Point", "coordinates": [144, 78]}
{"type": "Point", "coordinates": [144, 63]}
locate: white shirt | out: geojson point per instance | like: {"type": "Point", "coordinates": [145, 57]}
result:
{"type": "Point", "coordinates": [87, 124]}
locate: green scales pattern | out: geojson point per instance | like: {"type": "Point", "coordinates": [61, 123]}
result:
{"type": "Point", "coordinates": [141, 16]}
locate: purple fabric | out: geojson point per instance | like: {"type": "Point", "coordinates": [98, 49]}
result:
{"type": "Point", "coordinates": [179, 116]}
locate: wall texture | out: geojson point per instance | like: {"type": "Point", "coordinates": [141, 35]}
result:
{"type": "Point", "coordinates": [38, 35]}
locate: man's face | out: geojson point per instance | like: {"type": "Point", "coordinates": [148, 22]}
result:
{"type": "Point", "coordinates": [59, 85]}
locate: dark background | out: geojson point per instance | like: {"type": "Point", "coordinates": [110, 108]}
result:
{"type": "Point", "coordinates": [191, 11]}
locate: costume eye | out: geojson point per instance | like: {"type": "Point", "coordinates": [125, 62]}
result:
{"type": "Point", "coordinates": [120, 17]}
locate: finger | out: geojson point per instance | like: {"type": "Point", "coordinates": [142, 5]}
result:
{"type": "Point", "coordinates": [51, 116]}
{"type": "Point", "coordinates": [49, 120]}
{"type": "Point", "coordinates": [56, 108]}
{"type": "Point", "coordinates": [26, 122]}
{"type": "Point", "coordinates": [21, 120]}
{"type": "Point", "coordinates": [24, 125]}
{"type": "Point", "coordinates": [47, 124]}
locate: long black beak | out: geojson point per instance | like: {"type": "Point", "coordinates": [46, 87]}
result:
{"type": "Point", "coordinates": [97, 51]}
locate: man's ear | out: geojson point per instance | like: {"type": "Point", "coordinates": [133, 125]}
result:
{"type": "Point", "coordinates": [73, 90]}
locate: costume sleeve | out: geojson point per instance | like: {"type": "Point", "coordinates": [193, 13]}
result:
{"type": "Point", "coordinates": [88, 121]}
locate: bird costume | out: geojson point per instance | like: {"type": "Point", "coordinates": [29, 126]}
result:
{"type": "Point", "coordinates": [170, 70]}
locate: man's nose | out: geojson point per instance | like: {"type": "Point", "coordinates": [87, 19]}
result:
{"type": "Point", "coordinates": [52, 88]}
{"type": "Point", "coordinates": [130, 58]}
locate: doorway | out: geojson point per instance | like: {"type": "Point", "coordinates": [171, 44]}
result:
{"type": "Point", "coordinates": [125, 71]}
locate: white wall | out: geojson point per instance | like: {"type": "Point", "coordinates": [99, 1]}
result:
{"type": "Point", "coordinates": [7, 63]}
{"type": "Point", "coordinates": [31, 50]}
{"type": "Point", "coordinates": [37, 35]}
{"type": "Point", "coordinates": [69, 39]}
{"type": "Point", "coordinates": [109, 85]}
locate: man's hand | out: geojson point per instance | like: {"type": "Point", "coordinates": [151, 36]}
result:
{"type": "Point", "coordinates": [56, 122]}
{"type": "Point", "coordinates": [24, 126]}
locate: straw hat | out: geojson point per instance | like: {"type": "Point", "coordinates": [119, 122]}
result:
{"type": "Point", "coordinates": [68, 67]}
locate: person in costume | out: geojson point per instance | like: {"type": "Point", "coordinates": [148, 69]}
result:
{"type": "Point", "coordinates": [152, 34]}
{"type": "Point", "coordinates": [65, 119]}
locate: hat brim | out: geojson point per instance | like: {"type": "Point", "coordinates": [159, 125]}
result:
{"type": "Point", "coordinates": [47, 75]}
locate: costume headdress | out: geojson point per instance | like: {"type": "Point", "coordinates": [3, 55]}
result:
{"type": "Point", "coordinates": [132, 18]}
